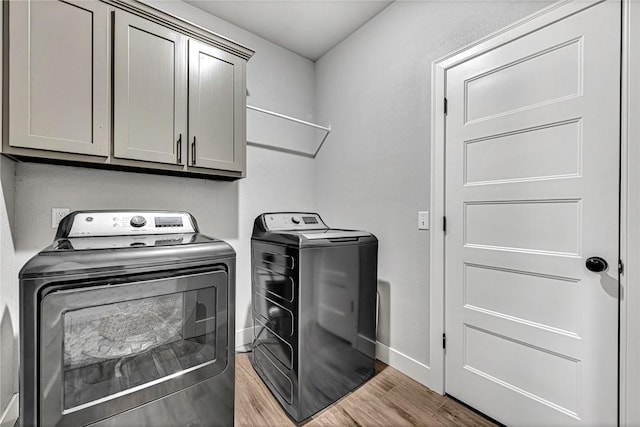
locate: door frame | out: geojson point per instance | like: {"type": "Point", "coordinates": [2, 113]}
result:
{"type": "Point", "coordinates": [629, 192]}
{"type": "Point", "coordinates": [629, 344]}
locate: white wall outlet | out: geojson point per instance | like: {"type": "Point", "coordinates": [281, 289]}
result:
{"type": "Point", "coordinates": [423, 220]}
{"type": "Point", "coordinates": [56, 216]}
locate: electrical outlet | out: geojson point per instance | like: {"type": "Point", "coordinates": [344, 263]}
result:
{"type": "Point", "coordinates": [56, 216]}
{"type": "Point", "coordinates": [423, 220]}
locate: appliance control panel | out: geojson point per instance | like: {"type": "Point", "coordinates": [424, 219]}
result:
{"type": "Point", "coordinates": [118, 223]}
{"type": "Point", "coordinates": [293, 221]}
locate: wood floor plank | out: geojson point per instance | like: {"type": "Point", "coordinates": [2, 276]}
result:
{"type": "Point", "coordinates": [367, 410]}
{"type": "Point", "coordinates": [453, 413]}
{"type": "Point", "coordinates": [334, 417]}
{"type": "Point", "coordinates": [413, 398]}
{"type": "Point", "coordinates": [390, 399]}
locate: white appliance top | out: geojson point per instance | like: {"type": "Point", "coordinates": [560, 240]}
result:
{"type": "Point", "coordinates": [125, 223]}
{"type": "Point", "coordinates": [293, 221]}
{"type": "Point", "coordinates": [308, 225]}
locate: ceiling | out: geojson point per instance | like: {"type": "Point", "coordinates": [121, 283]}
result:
{"type": "Point", "coordinates": [309, 28]}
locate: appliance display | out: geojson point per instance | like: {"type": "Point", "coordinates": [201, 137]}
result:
{"type": "Point", "coordinates": [314, 309]}
{"type": "Point", "coordinates": [128, 319]}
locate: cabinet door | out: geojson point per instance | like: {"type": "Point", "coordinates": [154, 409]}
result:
{"type": "Point", "coordinates": [217, 102]}
{"type": "Point", "coordinates": [149, 90]}
{"type": "Point", "coordinates": [59, 76]}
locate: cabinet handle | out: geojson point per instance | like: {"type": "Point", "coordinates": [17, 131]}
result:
{"type": "Point", "coordinates": [180, 149]}
{"type": "Point", "coordinates": [193, 152]}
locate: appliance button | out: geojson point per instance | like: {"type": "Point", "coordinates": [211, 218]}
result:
{"type": "Point", "coordinates": [138, 221]}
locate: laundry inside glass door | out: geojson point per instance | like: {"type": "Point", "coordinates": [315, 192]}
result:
{"type": "Point", "coordinates": [113, 348]}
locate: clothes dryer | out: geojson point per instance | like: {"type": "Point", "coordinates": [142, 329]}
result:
{"type": "Point", "coordinates": [127, 319]}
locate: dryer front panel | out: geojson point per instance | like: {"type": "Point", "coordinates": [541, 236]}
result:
{"type": "Point", "coordinates": [107, 348]}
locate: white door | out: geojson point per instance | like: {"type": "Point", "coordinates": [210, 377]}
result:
{"type": "Point", "coordinates": [532, 160]}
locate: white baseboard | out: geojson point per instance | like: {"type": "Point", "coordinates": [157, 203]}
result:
{"type": "Point", "coordinates": [10, 414]}
{"type": "Point", "coordinates": [405, 364]}
{"type": "Point", "coordinates": [243, 339]}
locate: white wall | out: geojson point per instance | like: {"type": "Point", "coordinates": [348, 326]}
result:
{"type": "Point", "coordinates": [373, 172]}
{"type": "Point", "coordinates": [9, 291]}
{"type": "Point", "coordinates": [9, 346]}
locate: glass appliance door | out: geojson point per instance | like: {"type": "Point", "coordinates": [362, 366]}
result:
{"type": "Point", "coordinates": [111, 347]}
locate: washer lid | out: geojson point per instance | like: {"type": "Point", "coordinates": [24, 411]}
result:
{"type": "Point", "coordinates": [124, 242]}
{"type": "Point", "coordinates": [334, 234]}
{"type": "Point", "coordinates": [113, 256]}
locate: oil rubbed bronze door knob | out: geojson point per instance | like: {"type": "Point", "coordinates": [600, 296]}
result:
{"type": "Point", "coordinates": [596, 264]}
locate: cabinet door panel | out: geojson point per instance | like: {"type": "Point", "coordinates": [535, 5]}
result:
{"type": "Point", "coordinates": [59, 76]}
{"type": "Point", "coordinates": [149, 90]}
{"type": "Point", "coordinates": [217, 103]}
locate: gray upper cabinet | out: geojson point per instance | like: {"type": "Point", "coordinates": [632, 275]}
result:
{"type": "Point", "coordinates": [217, 103]}
{"type": "Point", "coordinates": [59, 71]}
{"type": "Point", "coordinates": [120, 84]}
{"type": "Point", "coordinates": [149, 90]}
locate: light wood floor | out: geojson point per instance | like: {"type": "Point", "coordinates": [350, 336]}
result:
{"type": "Point", "coordinates": [389, 399]}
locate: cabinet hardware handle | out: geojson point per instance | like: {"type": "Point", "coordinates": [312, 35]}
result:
{"type": "Point", "coordinates": [193, 152]}
{"type": "Point", "coordinates": [180, 149]}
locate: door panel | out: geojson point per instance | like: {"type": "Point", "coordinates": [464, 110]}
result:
{"type": "Point", "coordinates": [543, 300]}
{"type": "Point", "coordinates": [559, 66]}
{"type": "Point", "coordinates": [61, 102]}
{"type": "Point", "coordinates": [532, 158]}
{"type": "Point", "coordinates": [149, 90]}
{"type": "Point", "coordinates": [216, 142]}
{"type": "Point", "coordinates": [524, 155]}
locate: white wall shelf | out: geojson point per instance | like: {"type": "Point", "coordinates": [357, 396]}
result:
{"type": "Point", "coordinates": [326, 129]}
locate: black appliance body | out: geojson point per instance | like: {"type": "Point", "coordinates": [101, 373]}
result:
{"type": "Point", "coordinates": [314, 309]}
{"type": "Point", "coordinates": [127, 319]}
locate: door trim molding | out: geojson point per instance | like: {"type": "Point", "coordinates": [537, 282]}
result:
{"type": "Point", "coordinates": [542, 18]}
{"type": "Point", "coordinates": [629, 380]}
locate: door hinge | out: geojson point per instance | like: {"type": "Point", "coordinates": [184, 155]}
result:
{"type": "Point", "coordinates": [446, 109]}
{"type": "Point", "coordinates": [444, 341]}
{"type": "Point", "coordinates": [620, 267]}
{"type": "Point", "coordinates": [444, 224]}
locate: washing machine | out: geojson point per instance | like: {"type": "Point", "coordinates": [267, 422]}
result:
{"type": "Point", "coordinates": [314, 309]}
{"type": "Point", "coordinates": [127, 319]}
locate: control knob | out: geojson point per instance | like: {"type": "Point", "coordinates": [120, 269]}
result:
{"type": "Point", "coordinates": [295, 219]}
{"type": "Point", "coordinates": [138, 221]}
